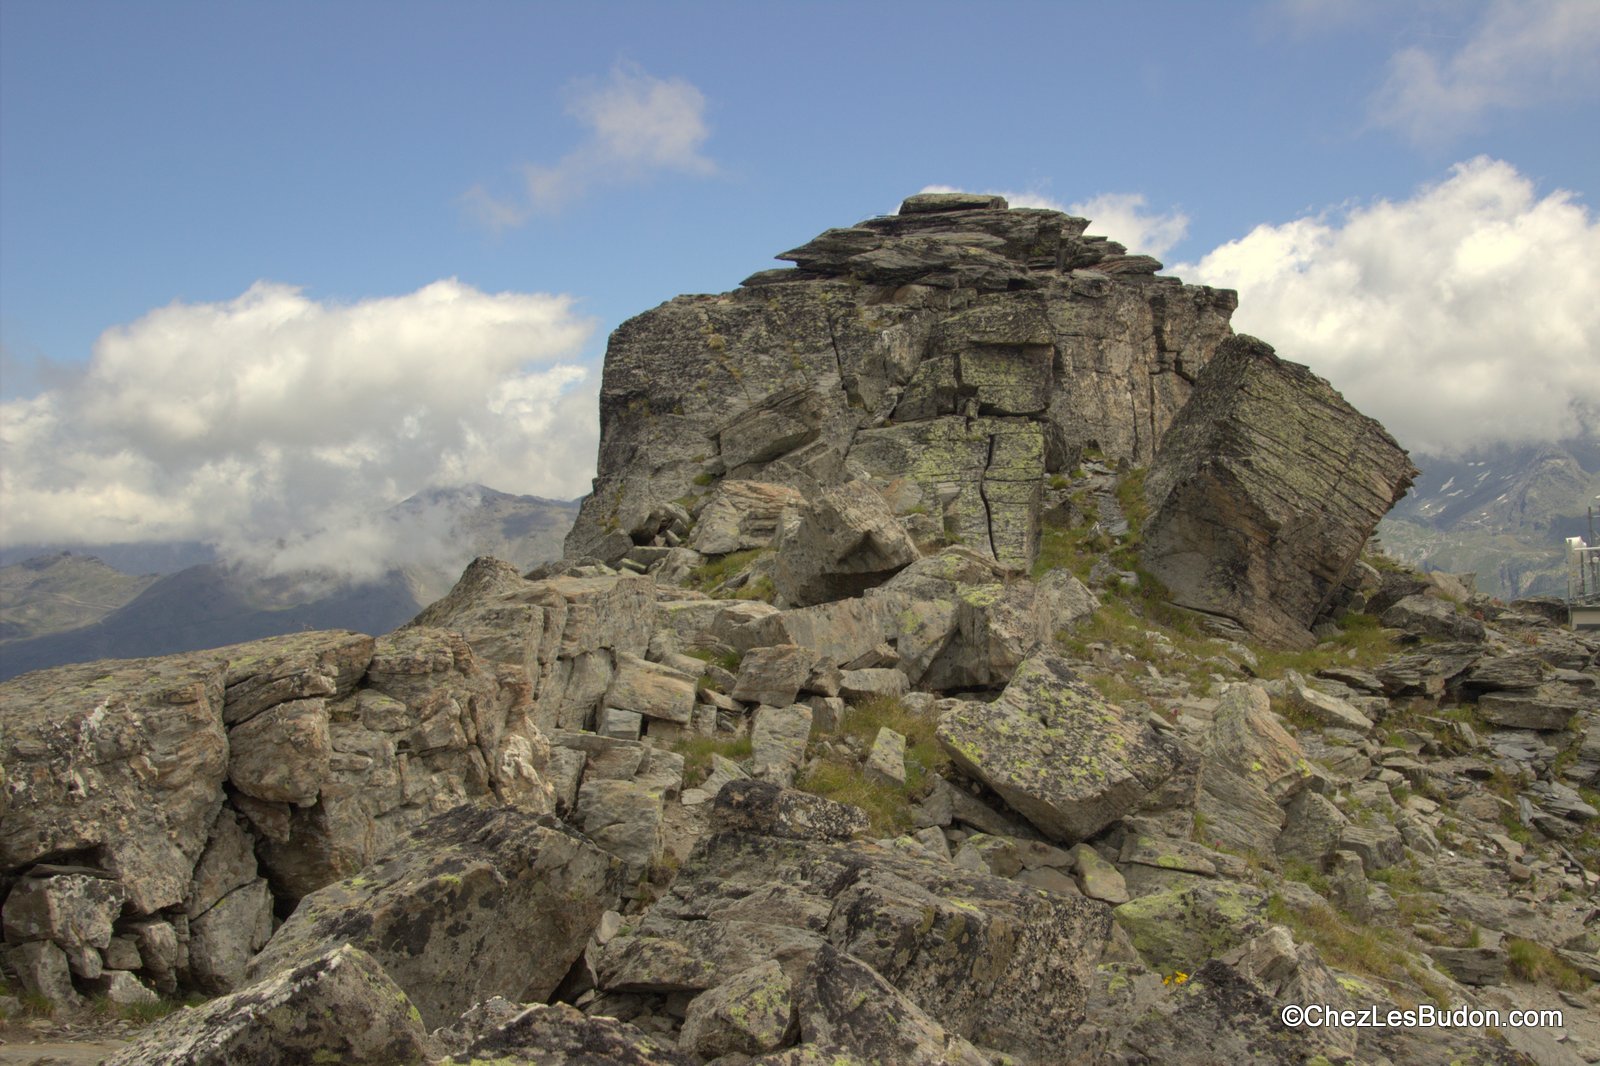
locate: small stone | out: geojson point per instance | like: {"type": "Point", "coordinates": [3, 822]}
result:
{"type": "Point", "coordinates": [887, 759]}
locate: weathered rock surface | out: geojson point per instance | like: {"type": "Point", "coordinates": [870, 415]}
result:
{"type": "Point", "coordinates": [1264, 490]}
{"type": "Point", "coordinates": [337, 1007]}
{"type": "Point", "coordinates": [119, 764]}
{"type": "Point", "coordinates": [994, 961]}
{"type": "Point", "coordinates": [1057, 751]}
{"type": "Point", "coordinates": [956, 357]}
{"type": "Point", "coordinates": [840, 544]}
{"type": "Point", "coordinates": [477, 902]}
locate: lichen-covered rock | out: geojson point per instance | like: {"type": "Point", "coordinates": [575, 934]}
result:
{"type": "Point", "coordinates": [339, 1006]}
{"type": "Point", "coordinates": [778, 741]}
{"type": "Point", "coordinates": [73, 910]}
{"type": "Point", "coordinates": [846, 1004]}
{"type": "Point", "coordinates": [553, 1035]}
{"type": "Point", "coordinates": [741, 515]}
{"type": "Point", "coordinates": [1428, 616]}
{"type": "Point", "coordinates": [774, 674]}
{"type": "Point", "coordinates": [429, 727]}
{"type": "Point", "coordinates": [118, 763]}
{"type": "Point", "coordinates": [750, 1013]}
{"type": "Point", "coordinates": [1180, 928]}
{"type": "Point", "coordinates": [1056, 751]}
{"type": "Point", "coordinates": [957, 357]}
{"type": "Point", "coordinates": [1265, 489]}
{"type": "Point", "coordinates": [562, 634]}
{"type": "Point", "coordinates": [477, 902]}
{"type": "Point", "coordinates": [765, 809]}
{"type": "Point", "coordinates": [224, 937]}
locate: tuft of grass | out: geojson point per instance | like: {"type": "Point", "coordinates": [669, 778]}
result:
{"type": "Point", "coordinates": [710, 574]}
{"type": "Point", "coordinates": [704, 478]}
{"type": "Point", "coordinates": [1361, 643]}
{"type": "Point", "coordinates": [888, 806]}
{"type": "Point", "coordinates": [1353, 946]}
{"type": "Point", "coordinates": [1530, 961]}
{"type": "Point", "coordinates": [1308, 875]}
{"type": "Point", "coordinates": [697, 752]}
{"type": "Point", "coordinates": [36, 1006]}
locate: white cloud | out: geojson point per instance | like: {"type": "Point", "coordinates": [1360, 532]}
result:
{"type": "Point", "coordinates": [267, 417]}
{"type": "Point", "coordinates": [1521, 53]}
{"type": "Point", "coordinates": [1462, 316]}
{"type": "Point", "coordinates": [637, 125]}
{"type": "Point", "coordinates": [1121, 216]}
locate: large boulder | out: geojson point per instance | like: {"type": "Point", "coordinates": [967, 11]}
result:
{"type": "Point", "coordinates": [1263, 492]}
{"type": "Point", "coordinates": [1056, 751]}
{"type": "Point", "coordinates": [477, 902]}
{"type": "Point", "coordinates": [841, 544]}
{"type": "Point", "coordinates": [338, 1006]}
{"type": "Point", "coordinates": [118, 765]}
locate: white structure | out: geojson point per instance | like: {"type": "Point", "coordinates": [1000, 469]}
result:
{"type": "Point", "coordinates": [1583, 580]}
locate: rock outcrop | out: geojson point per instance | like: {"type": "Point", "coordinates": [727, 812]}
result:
{"type": "Point", "coordinates": [954, 356]}
{"type": "Point", "coordinates": [196, 795]}
{"type": "Point", "coordinates": [1264, 491]}
{"type": "Point", "coordinates": [868, 530]}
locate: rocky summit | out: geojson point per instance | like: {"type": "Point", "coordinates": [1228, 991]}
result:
{"type": "Point", "coordinates": [971, 652]}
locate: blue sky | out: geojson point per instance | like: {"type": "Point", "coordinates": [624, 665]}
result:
{"type": "Point", "coordinates": [208, 211]}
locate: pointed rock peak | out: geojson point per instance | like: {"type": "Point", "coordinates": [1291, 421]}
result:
{"type": "Point", "coordinates": [927, 203]}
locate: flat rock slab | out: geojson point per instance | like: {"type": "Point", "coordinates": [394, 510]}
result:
{"type": "Point", "coordinates": [476, 902]}
{"type": "Point", "coordinates": [1057, 751]}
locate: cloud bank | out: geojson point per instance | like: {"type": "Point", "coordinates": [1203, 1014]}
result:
{"type": "Point", "coordinates": [1463, 316]}
{"type": "Point", "coordinates": [637, 124]}
{"type": "Point", "coordinates": [252, 422]}
{"type": "Point", "coordinates": [1124, 217]}
{"type": "Point", "coordinates": [1521, 53]}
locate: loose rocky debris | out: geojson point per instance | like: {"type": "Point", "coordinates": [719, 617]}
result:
{"type": "Point", "coordinates": [856, 727]}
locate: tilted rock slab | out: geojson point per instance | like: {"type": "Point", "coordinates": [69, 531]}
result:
{"type": "Point", "coordinates": [477, 902]}
{"type": "Point", "coordinates": [1057, 751]}
{"type": "Point", "coordinates": [1265, 489]}
{"type": "Point", "coordinates": [956, 357]}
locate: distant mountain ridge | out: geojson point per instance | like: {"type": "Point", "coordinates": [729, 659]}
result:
{"type": "Point", "coordinates": [1502, 512]}
{"type": "Point", "coordinates": [62, 607]}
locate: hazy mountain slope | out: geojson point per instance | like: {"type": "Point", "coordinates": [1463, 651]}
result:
{"type": "Point", "coordinates": [207, 606]}
{"type": "Point", "coordinates": [431, 537]}
{"type": "Point", "coordinates": [1504, 513]}
{"type": "Point", "coordinates": [51, 593]}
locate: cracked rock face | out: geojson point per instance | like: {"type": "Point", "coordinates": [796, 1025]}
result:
{"type": "Point", "coordinates": [952, 356]}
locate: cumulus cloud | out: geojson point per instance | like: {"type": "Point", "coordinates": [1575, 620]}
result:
{"type": "Point", "coordinates": [1124, 217]}
{"type": "Point", "coordinates": [255, 422]}
{"type": "Point", "coordinates": [1522, 52]}
{"type": "Point", "coordinates": [637, 124]}
{"type": "Point", "coordinates": [1463, 316]}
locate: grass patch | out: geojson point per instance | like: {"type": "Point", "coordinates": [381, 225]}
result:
{"type": "Point", "coordinates": [709, 575]}
{"type": "Point", "coordinates": [888, 806]}
{"type": "Point", "coordinates": [703, 479]}
{"type": "Point", "coordinates": [1361, 643]}
{"type": "Point", "coordinates": [1533, 962]}
{"type": "Point", "coordinates": [697, 753]}
{"type": "Point", "coordinates": [1352, 946]}
{"type": "Point", "coordinates": [1308, 875]}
